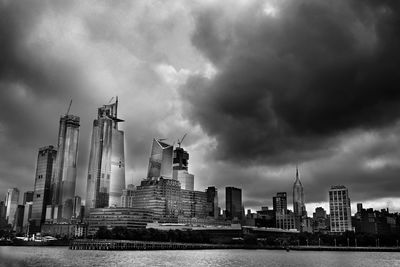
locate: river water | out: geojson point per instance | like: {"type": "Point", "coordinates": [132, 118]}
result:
{"type": "Point", "coordinates": [62, 256]}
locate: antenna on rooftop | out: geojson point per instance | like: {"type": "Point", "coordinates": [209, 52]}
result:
{"type": "Point", "coordinates": [69, 107]}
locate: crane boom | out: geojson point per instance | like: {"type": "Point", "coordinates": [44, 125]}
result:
{"type": "Point", "coordinates": [180, 141]}
{"type": "Point", "coordinates": [69, 107]}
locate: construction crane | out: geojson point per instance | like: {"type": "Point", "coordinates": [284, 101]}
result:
{"type": "Point", "coordinates": [180, 141]}
{"type": "Point", "coordinates": [69, 107]}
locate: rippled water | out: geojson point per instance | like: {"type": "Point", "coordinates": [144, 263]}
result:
{"type": "Point", "coordinates": [62, 256]}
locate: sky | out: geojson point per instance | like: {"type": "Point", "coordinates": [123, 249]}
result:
{"type": "Point", "coordinates": [258, 86]}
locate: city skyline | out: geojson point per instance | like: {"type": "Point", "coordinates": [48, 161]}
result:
{"type": "Point", "coordinates": [253, 103]}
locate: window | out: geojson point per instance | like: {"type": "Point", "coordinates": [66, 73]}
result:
{"type": "Point", "coordinates": [38, 195]}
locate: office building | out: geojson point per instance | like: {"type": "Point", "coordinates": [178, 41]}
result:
{"type": "Point", "coordinates": [127, 196]}
{"type": "Point", "coordinates": [180, 169]}
{"type": "Point", "coordinates": [27, 217]}
{"type": "Point", "coordinates": [286, 220]}
{"type": "Point", "coordinates": [131, 218]}
{"type": "Point", "coordinates": [279, 203]}
{"type": "Point", "coordinates": [64, 171]}
{"type": "Point", "coordinates": [321, 222]}
{"type": "Point", "coordinates": [160, 161]}
{"type": "Point", "coordinates": [28, 197]}
{"type": "Point", "coordinates": [106, 173]}
{"type": "Point", "coordinates": [77, 207]}
{"type": "Point", "coordinates": [212, 199]}
{"type": "Point", "coordinates": [233, 200]}
{"type": "Point", "coordinates": [19, 218]}
{"type": "Point", "coordinates": [12, 199]}
{"type": "Point", "coordinates": [340, 210]}
{"type": "Point", "coordinates": [194, 204]}
{"type": "Point", "coordinates": [299, 208]}
{"type": "Point", "coordinates": [42, 194]}
{"type": "Point", "coordinates": [3, 209]}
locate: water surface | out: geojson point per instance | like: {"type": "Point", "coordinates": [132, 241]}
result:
{"type": "Point", "coordinates": [62, 256]}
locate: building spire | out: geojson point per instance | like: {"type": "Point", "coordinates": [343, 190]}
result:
{"type": "Point", "coordinates": [297, 172]}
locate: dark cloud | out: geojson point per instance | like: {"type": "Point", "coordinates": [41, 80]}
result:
{"type": "Point", "coordinates": [288, 84]}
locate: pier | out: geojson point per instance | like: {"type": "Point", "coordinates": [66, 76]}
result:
{"type": "Point", "coordinates": [138, 245]}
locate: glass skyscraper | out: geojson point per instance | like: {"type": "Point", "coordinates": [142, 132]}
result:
{"type": "Point", "coordinates": [64, 171]}
{"type": "Point", "coordinates": [12, 205]}
{"type": "Point", "coordinates": [160, 162]}
{"type": "Point", "coordinates": [233, 200]}
{"type": "Point", "coordinates": [106, 173]}
{"type": "Point", "coordinates": [42, 194]}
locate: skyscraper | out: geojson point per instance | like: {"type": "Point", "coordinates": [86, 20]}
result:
{"type": "Point", "coordinates": [160, 161]}
{"type": "Point", "coordinates": [42, 194]}
{"type": "Point", "coordinates": [64, 172]}
{"type": "Point", "coordinates": [279, 203]}
{"type": "Point", "coordinates": [106, 173]}
{"type": "Point", "coordinates": [298, 197]}
{"type": "Point", "coordinates": [12, 199]}
{"type": "Point", "coordinates": [212, 199]}
{"type": "Point", "coordinates": [76, 213]}
{"type": "Point", "coordinates": [340, 211]}
{"type": "Point", "coordinates": [180, 169]}
{"type": "Point", "coordinates": [298, 202]}
{"type": "Point", "coordinates": [233, 201]}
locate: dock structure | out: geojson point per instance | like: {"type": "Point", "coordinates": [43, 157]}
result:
{"type": "Point", "coordinates": [138, 245]}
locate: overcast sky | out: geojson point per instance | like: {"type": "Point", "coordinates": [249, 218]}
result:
{"type": "Point", "coordinates": [259, 86]}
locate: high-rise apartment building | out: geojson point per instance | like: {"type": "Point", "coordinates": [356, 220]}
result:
{"type": "Point", "coordinates": [340, 210]}
{"type": "Point", "coordinates": [106, 172]}
{"type": "Point", "coordinates": [42, 194]}
{"type": "Point", "coordinates": [28, 197]}
{"type": "Point", "coordinates": [64, 171]}
{"type": "Point", "coordinates": [279, 203]}
{"type": "Point", "coordinates": [212, 199]}
{"type": "Point", "coordinates": [160, 161]}
{"type": "Point", "coordinates": [12, 199]}
{"type": "Point", "coordinates": [233, 201]}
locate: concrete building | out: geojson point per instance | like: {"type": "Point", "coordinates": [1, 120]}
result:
{"type": "Point", "coordinates": [106, 173]}
{"type": "Point", "coordinates": [321, 222]}
{"type": "Point", "coordinates": [340, 210]}
{"type": "Point", "coordinates": [185, 178]}
{"type": "Point", "coordinates": [28, 197]}
{"type": "Point", "coordinates": [233, 201]}
{"type": "Point", "coordinates": [212, 199]}
{"type": "Point", "coordinates": [12, 199]}
{"type": "Point", "coordinates": [286, 221]}
{"type": "Point", "coordinates": [64, 230]}
{"type": "Point", "coordinates": [42, 194]}
{"type": "Point", "coordinates": [160, 161]}
{"type": "Point", "coordinates": [194, 204]}
{"type": "Point", "coordinates": [279, 203]}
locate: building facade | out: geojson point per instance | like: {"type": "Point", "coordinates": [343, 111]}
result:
{"type": "Point", "coordinates": [64, 171]}
{"type": "Point", "coordinates": [180, 169]}
{"type": "Point", "coordinates": [279, 203]}
{"type": "Point", "coordinates": [131, 218]}
{"type": "Point", "coordinates": [340, 210]}
{"type": "Point", "coordinates": [12, 199]}
{"type": "Point", "coordinates": [106, 172]}
{"type": "Point", "coordinates": [42, 188]}
{"type": "Point", "coordinates": [160, 161]}
{"type": "Point", "coordinates": [212, 199]}
{"type": "Point", "coordinates": [28, 197]}
{"type": "Point", "coordinates": [233, 200]}
{"type": "Point", "coordinates": [299, 208]}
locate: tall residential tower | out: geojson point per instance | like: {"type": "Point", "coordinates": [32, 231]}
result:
{"type": "Point", "coordinates": [340, 211]}
{"type": "Point", "coordinates": [106, 172]}
{"type": "Point", "coordinates": [64, 171]}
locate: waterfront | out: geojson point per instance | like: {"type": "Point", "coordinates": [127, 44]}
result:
{"type": "Point", "coordinates": [62, 256]}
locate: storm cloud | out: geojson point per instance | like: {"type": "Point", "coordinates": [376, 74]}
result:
{"type": "Point", "coordinates": [293, 75]}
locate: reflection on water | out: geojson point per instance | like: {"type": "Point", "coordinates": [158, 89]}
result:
{"type": "Point", "coordinates": [62, 256]}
